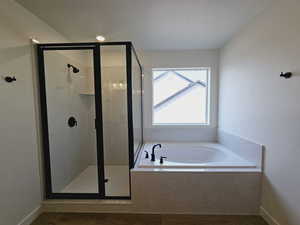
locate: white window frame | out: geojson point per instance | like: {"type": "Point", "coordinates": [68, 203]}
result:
{"type": "Point", "coordinates": [208, 100]}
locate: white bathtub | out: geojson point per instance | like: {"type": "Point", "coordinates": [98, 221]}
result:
{"type": "Point", "coordinates": [197, 178]}
{"type": "Point", "coordinates": [192, 155]}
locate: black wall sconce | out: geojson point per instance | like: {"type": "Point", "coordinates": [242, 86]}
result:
{"type": "Point", "coordinates": [286, 75]}
{"type": "Point", "coordinates": [75, 69]}
{"type": "Point", "coordinates": [9, 79]}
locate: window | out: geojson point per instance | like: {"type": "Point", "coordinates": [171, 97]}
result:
{"type": "Point", "coordinates": [180, 96]}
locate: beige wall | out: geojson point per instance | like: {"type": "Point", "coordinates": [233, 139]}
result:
{"type": "Point", "coordinates": [255, 103]}
{"type": "Point", "coordinates": [20, 189]}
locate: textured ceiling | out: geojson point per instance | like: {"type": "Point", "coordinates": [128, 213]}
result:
{"type": "Point", "coordinates": [150, 24]}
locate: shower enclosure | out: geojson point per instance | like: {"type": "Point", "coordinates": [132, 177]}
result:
{"type": "Point", "coordinates": [91, 112]}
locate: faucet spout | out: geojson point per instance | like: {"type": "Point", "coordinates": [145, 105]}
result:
{"type": "Point", "coordinates": [153, 154]}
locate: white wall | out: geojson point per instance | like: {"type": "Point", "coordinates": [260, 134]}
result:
{"type": "Point", "coordinates": [20, 189]}
{"type": "Point", "coordinates": [179, 59]}
{"type": "Point", "coordinates": [255, 103]}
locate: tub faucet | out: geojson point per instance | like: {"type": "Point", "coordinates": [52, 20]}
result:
{"type": "Point", "coordinates": [152, 154]}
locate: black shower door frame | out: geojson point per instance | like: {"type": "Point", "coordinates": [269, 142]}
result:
{"type": "Point", "coordinates": [95, 47]}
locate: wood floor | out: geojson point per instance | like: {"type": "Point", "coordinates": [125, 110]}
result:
{"type": "Point", "coordinates": [138, 219]}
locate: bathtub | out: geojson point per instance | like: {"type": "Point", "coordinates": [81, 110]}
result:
{"type": "Point", "coordinates": [192, 155]}
{"type": "Point", "coordinates": [196, 178]}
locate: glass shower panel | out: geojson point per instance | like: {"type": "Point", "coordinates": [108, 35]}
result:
{"type": "Point", "coordinates": [115, 120]}
{"type": "Point", "coordinates": [71, 113]}
{"type": "Point", "coordinates": [137, 104]}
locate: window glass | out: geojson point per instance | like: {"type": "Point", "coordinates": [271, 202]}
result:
{"type": "Point", "coordinates": [180, 96]}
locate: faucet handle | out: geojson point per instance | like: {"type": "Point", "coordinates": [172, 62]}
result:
{"type": "Point", "coordinates": [147, 155]}
{"type": "Point", "coordinates": [161, 161]}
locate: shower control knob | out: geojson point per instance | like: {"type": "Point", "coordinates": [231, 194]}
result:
{"type": "Point", "coordinates": [72, 122]}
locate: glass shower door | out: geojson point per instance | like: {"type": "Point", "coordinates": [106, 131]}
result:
{"type": "Point", "coordinates": [91, 111]}
{"type": "Point", "coordinates": [71, 143]}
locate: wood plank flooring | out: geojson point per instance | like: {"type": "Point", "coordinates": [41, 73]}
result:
{"type": "Point", "coordinates": [143, 219]}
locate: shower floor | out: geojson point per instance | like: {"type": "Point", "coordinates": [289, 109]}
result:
{"type": "Point", "coordinates": [87, 181]}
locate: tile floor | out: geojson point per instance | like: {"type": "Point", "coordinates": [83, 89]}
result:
{"type": "Point", "coordinates": [142, 219]}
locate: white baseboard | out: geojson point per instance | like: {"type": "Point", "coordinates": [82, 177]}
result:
{"type": "Point", "coordinates": [27, 220]}
{"type": "Point", "coordinates": [267, 216]}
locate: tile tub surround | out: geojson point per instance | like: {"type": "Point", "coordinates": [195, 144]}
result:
{"type": "Point", "coordinates": [141, 219]}
{"type": "Point", "coordinates": [179, 133]}
{"type": "Point", "coordinates": [217, 193]}
{"type": "Point", "coordinates": [245, 148]}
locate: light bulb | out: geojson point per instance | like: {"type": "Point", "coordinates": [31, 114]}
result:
{"type": "Point", "coordinates": [100, 38]}
{"type": "Point", "coordinates": [35, 40]}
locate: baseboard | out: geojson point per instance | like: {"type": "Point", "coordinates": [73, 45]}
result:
{"type": "Point", "coordinates": [27, 220]}
{"type": "Point", "coordinates": [267, 217]}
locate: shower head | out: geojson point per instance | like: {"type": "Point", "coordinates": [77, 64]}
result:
{"type": "Point", "coordinates": [75, 69]}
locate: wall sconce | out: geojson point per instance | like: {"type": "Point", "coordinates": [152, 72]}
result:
{"type": "Point", "coordinates": [10, 79]}
{"type": "Point", "coordinates": [286, 75]}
